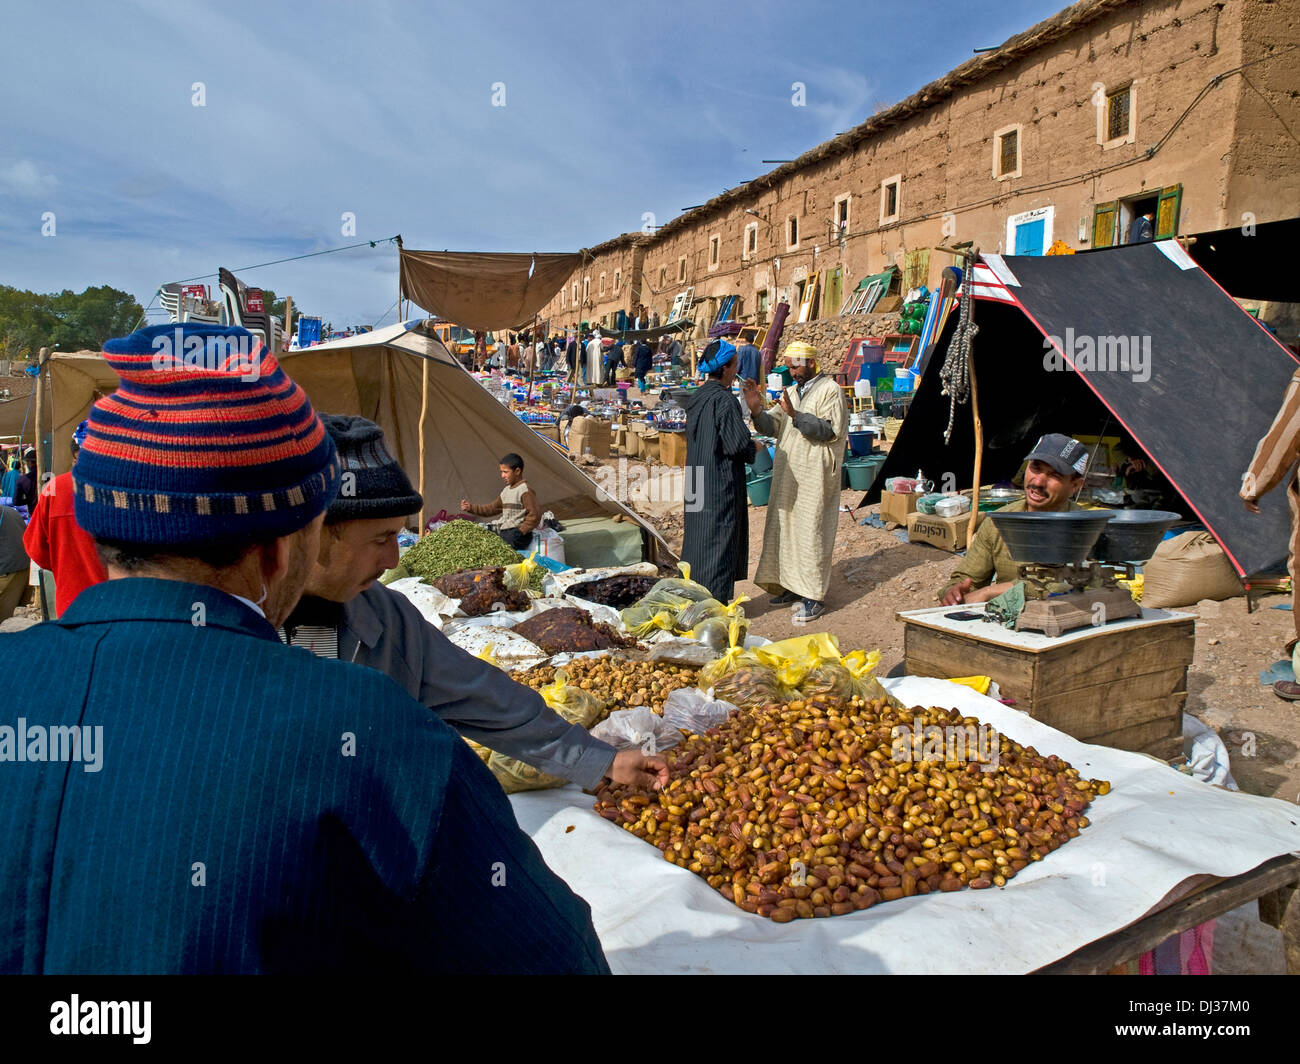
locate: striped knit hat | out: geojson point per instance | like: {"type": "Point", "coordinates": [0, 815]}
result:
{"type": "Point", "coordinates": [206, 442]}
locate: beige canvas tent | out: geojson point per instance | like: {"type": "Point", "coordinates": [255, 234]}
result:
{"type": "Point", "coordinates": [405, 380]}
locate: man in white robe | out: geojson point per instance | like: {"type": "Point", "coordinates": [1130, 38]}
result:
{"type": "Point", "coordinates": [811, 429]}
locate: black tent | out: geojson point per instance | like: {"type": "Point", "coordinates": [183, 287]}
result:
{"type": "Point", "coordinates": [1252, 261]}
{"type": "Point", "coordinates": [1136, 337]}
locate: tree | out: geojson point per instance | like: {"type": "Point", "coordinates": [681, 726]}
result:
{"type": "Point", "coordinates": [68, 320]}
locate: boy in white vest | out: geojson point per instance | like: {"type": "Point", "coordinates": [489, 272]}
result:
{"type": "Point", "coordinates": [520, 512]}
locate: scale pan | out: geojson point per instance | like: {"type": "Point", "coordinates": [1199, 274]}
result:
{"type": "Point", "coordinates": [1133, 535]}
{"type": "Point", "coordinates": [1053, 538]}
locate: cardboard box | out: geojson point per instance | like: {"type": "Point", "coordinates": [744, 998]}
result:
{"type": "Point", "coordinates": [898, 506]}
{"type": "Point", "coordinates": [590, 434]}
{"type": "Point", "coordinates": [946, 533]}
{"type": "Point", "coordinates": [650, 441]}
{"type": "Point", "coordinates": [672, 449]}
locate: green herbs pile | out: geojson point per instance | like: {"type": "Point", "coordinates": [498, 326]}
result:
{"type": "Point", "coordinates": [461, 545]}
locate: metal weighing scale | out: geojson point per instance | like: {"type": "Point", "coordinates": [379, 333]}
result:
{"type": "Point", "coordinates": [1088, 550]}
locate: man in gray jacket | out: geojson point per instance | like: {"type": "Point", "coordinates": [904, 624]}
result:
{"type": "Point", "coordinates": [346, 613]}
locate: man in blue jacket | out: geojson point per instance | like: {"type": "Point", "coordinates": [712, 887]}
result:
{"type": "Point", "coordinates": [184, 793]}
{"type": "Point", "coordinates": [346, 613]}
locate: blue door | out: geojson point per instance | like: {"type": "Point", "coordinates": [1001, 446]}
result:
{"type": "Point", "coordinates": [1029, 237]}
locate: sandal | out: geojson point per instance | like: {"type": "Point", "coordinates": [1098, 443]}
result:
{"type": "Point", "coordinates": [1287, 690]}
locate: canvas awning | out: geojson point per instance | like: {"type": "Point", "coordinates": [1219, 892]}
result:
{"type": "Point", "coordinates": [632, 335]}
{"type": "Point", "coordinates": [484, 290]}
{"type": "Point", "coordinates": [1203, 382]}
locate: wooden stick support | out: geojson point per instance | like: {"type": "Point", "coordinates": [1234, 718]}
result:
{"type": "Point", "coordinates": [424, 417]}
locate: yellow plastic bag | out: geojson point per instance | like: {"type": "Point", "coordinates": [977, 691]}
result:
{"type": "Point", "coordinates": [663, 620]}
{"type": "Point", "coordinates": [714, 630]}
{"type": "Point", "coordinates": [676, 593]}
{"type": "Point", "coordinates": [516, 577]}
{"type": "Point", "coordinates": [486, 655]}
{"type": "Point", "coordinates": [861, 665]}
{"type": "Point", "coordinates": [573, 704]}
{"type": "Point", "coordinates": [828, 678]}
{"type": "Point", "coordinates": [975, 683]}
{"type": "Point", "coordinates": [800, 646]}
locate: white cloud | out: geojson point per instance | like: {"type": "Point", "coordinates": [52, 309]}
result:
{"type": "Point", "coordinates": [24, 177]}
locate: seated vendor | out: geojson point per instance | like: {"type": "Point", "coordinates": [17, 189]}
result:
{"type": "Point", "coordinates": [520, 512]}
{"type": "Point", "coordinates": [1053, 477]}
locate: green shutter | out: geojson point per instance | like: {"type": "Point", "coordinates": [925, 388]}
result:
{"type": "Point", "coordinates": [1171, 200]}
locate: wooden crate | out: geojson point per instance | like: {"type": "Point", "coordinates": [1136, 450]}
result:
{"type": "Point", "coordinates": [1121, 684]}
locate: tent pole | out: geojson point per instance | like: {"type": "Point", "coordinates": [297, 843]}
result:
{"type": "Point", "coordinates": [42, 357]}
{"type": "Point", "coordinates": [532, 363]}
{"type": "Point", "coordinates": [979, 452]}
{"type": "Point", "coordinates": [424, 417]}
{"type": "Point", "coordinates": [968, 264]}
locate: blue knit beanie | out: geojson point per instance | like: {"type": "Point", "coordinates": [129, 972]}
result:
{"type": "Point", "coordinates": [206, 442]}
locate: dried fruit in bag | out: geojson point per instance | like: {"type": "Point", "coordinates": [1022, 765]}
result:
{"type": "Point", "coordinates": [696, 612]}
{"type": "Point", "coordinates": [828, 679]}
{"type": "Point", "coordinates": [749, 686]}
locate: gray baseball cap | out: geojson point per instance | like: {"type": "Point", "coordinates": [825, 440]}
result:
{"type": "Point", "coordinates": [1066, 455]}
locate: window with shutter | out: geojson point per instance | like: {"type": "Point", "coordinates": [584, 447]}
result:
{"type": "Point", "coordinates": [1171, 200]}
{"type": "Point", "coordinates": [1103, 224]}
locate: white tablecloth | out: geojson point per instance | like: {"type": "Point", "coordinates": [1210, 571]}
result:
{"type": "Point", "coordinates": [1156, 829]}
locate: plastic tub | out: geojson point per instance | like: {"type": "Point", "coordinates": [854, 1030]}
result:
{"type": "Point", "coordinates": [862, 471]}
{"type": "Point", "coordinates": [759, 489]}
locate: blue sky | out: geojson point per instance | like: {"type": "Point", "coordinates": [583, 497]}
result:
{"type": "Point", "coordinates": [385, 110]}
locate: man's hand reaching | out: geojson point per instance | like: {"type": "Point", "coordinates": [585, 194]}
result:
{"type": "Point", "coordinates": [637, 770]}
{"type": "Point", "coordinates": [956, 594]}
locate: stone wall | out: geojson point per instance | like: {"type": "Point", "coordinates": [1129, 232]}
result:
{"type": "Point", "coordinates": [1227, 156]}
{"type": "Point", "coordinates": [831, 336]}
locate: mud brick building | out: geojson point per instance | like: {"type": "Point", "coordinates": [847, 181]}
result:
{"type": "Point", "coordinates": [1067, 132]}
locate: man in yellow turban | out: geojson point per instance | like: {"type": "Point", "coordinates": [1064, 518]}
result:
{"type": "Point", "coordinates": [811, 428]}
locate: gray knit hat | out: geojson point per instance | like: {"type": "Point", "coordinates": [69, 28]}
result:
{"type": "Point", "coordinates": [372, 484]}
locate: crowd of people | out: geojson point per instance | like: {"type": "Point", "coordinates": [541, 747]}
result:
{"type": "Point", "coordinates": [592, 354]}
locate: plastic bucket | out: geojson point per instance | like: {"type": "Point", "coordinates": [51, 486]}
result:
{"type": "Point", "coordinates": [760, 489]}
{"type": "Point", "coordinates": [862, 471]}
{"type": "Point", "coordinates": [861, 443]}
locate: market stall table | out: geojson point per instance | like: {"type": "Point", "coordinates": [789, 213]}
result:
{"type": "Point", "coordinates": [1120, 684]}
{"type": "Point", "coordinates": [1156, 834]}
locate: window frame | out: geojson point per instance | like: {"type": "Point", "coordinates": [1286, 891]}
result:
{"type": "Point", "coordinates": [1106, 141]}
{"type": "Point", "coordinates": [715, 252]}
{"type": "Point", "coordinates": [745, 250]}
{"type": "Point", "coordinates": [789, 219]}
{"type": "Point", "coordinates": [847, 200]}
{"type": "Point", "coordinates": [897, 181]}
{"type": "Point", "coordinates": [681, 269]}
{"type": "Point", "coordinates": [998, 136]}
{"type": "Point", "coordinates": [602, 283]}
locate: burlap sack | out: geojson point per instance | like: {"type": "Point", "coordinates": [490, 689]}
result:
{"type": "Point", "coordinates": [1187, 569]}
